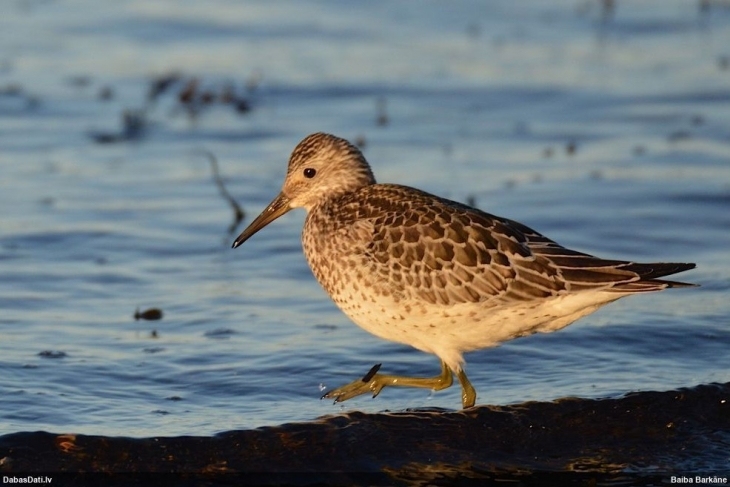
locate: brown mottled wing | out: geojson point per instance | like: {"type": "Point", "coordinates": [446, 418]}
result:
{"type": "Point", "coordinates": [577, 270]}
{"type": "Point", "coordinates": [444, 252]}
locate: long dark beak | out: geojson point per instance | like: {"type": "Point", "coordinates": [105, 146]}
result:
{"type": "Point", "coordinates": [276, 208]}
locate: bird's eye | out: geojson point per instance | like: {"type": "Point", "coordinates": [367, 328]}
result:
{"type": "Point", "coordinates": [309, 172]}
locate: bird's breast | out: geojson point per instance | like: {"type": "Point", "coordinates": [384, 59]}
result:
{"type": "Point", "coordinates": [329, 250]}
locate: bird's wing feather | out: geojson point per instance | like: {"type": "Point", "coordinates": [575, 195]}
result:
{"type": "Point", "coordinates": [449, 253]}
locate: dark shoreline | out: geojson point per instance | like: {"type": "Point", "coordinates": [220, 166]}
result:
{"type": "Point", "coordinates": [646, 436]}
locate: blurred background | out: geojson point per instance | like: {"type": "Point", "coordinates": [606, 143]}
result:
{"type": "Point", "coordinates": [603, 124]}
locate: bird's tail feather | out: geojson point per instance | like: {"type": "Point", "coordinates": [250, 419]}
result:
{"type": "Point", "coordinates": [657, 269]}
{"type": "Point", "coordinates": [648, 274]}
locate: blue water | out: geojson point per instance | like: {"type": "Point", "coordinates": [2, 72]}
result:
{"type": "Point", "coordinates": [482, 102]}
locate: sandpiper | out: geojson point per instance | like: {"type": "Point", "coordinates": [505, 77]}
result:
{"type": "Point", "coordinates": [435, 274]}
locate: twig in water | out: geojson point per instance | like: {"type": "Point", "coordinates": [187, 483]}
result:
{"type": "Point", "coordinates": [238, 212]}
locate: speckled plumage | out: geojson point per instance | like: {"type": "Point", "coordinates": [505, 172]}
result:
{"type": "Point", "coordinates": [438, 275]}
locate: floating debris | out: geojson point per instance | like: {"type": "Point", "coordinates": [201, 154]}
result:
{"type": "Point", "coordinates": [242, 106]}
{"type": "Point", "coordinates": [219, 333]}
{"type": "Point", "coordinates": [150, 314]}
{"type": "Point", "coordinates": [228, 95]}
{"type": "Point", "coordinates": [154, 334]}
{"type": "Point", "coordinates": [360, 141]}
{"type": "Point", "coordinates": [161, 85]}
{"type": "Point", "coordinates": [52, 354]}
{"type": "Point", "coordinates": [187, 95]}
{"type": "Point", "coordinates": [325, 327]}
{"type": "Point", "coordinates": [134, 126]}
{"type": "Point", "coordinates": [193, 99]}
{"type": "Point", "coordinates": [208, 97]}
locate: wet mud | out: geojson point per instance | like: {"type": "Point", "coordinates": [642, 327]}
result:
{"type": "Point", "coordinates": [637, 439]}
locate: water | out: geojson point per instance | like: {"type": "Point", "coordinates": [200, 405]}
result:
{"type": "Point", "coordinates": [482, 102]}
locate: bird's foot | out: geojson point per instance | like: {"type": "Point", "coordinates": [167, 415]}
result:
{"type": "Point", "coordinates": [369, 383]}
{"type": "Point", "coordinates": [373, 383]}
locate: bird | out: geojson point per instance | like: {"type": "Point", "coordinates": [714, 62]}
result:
{"type": "Point", "coordinates": [437, 275]}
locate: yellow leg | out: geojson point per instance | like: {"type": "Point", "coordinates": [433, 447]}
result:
{"type": "Point", "coordinates": [468, 394]}
{"type": "Point", "coordinates": [374, 382]}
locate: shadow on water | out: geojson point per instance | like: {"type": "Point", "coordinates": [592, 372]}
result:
{"type": "Point", "coordinates": [638, 439]}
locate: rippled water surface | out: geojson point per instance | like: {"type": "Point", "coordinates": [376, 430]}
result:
{"type": "Point", "coordinates": [606, 129]}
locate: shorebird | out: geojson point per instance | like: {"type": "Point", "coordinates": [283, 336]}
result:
{"type": "Point", "coordinates": [440, 276]}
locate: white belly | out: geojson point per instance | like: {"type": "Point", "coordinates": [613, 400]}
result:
{"type": "Point", "coordinates": [449, 331]}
